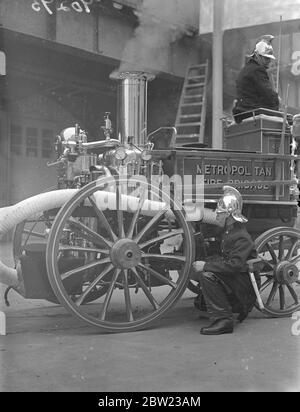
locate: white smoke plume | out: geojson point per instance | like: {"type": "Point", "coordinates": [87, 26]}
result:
{"type": "Point", "coordinates": [161, 22]}
{"type": "Point", "coordinates": [244, 13]}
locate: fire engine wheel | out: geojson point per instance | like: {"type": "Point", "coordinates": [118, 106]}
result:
{"type": "Point", "coordinates": [34, 232]}
{"type": "Point", "coordinates": [280, 280]}
{"type": "Point", "coordinates": [139, 246]}
{"type": "Point", "coordinates": [27, 232]}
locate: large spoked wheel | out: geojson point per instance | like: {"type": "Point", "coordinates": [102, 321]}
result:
{"type": "Point", "coordinates": [28, 232]}
{"type": "Point", "coordinates": [122, 231]}
{"type": "Point", "coordinates": [280, 281]}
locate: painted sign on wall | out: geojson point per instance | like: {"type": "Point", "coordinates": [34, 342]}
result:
{"type": "Point", "coordinates": [48, 5]}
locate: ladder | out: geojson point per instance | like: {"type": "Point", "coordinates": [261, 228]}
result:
{"type": "Point", "coordinates": [190, 119]}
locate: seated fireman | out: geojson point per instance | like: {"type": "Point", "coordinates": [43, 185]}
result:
{"type": "Point", "coordinates": [253, 86]}
{"type": "Point", "coordinates": [224, 280]}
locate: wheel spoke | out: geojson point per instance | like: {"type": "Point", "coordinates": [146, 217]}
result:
{"type": "Point", "coordinates": [120, 219]}
{"type": "Point", "coordinates": [295, 260]}
{"type": "Point", "coordinates": [281, 297]}
{"type": "Point", "coordinates": [93, 284]}
{"type": "Point", "coordinates": [150, 224]}
{"type": "Point", "coordinates": [103, 219]}
{"type": "Point", "coordinates": [267, 262]}
{"type": "Point", "coordinates": [127, 296]}
{"type": "Point", "coordinates": [161, 237]}
{"type": "Point", "coordinates": [159, 276]}
{"type": "Point", "coordinates": [136, 214]}
{"type": "Point", "coordinates": [280, 248]}
{"type": "Point", "coordinates": [265, 284]}
{"type": "Point", "coordinates": [35, 234]}
{"type": "Point", "coordinates": [293, 293]}
{"type": "Point", "coordinates": [89, 233]}
{"type": "Point", "coordinates": [164, 257]}
{"type": "Point", "coordinates": [145, 289]}
{"type": "Point", "coordinates": [63, 248]}
{"type": "Point", "coordinates": [272, 253]}
{"type": "Point", "coordinates": [84, 267]}
{"type": "Point", "coordinates": [109, 293]}
{"type": "Point", "coordinates": [292, 249]}
{"type": "Point", "coordinates": [272, 293]}
{"type": "Point", "coordinates": [120, 216]}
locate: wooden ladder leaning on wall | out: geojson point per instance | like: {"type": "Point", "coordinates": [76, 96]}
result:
{"type": "Point", "coordinates": [191, 113]}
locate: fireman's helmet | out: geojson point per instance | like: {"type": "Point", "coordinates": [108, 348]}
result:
{"type": "Point", "coordinates": [231, 202]}
{"type": "Point", "coordinates": [264, 49]}
{"type": "Point", "coordinates": [267, 38]}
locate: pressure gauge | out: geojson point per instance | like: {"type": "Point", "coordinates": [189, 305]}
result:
{"type": "Point", "coordinates": [120, 153]}
{"type": "Point", "coordinates": [145, 155]}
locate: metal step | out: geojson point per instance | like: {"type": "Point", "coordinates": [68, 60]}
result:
{"type": "Point", "coordinates": [188, 124]}
{"type": "Point", "coordinates": [200, 76]}
{"type": "Point", "coordinates": [188, 116]}
{"type": "Point", "coordinates": [191, 86]}
{"type": "Point", "coordinates": [192, 96]}
{"type": "Point", "coordinates": [198, 66]}
{"type": "Point", "coordinates": [192, 104]}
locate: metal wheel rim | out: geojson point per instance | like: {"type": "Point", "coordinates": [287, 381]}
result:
{"type": "Point", "coordinates": [131, 324]}
{"type": "Point", "coordinates": [274, 293]}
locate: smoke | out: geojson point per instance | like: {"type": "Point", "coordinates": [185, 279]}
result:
{"type": "Point", "coordinates": [160, 24]}
{"type": "Point", "coordinates": [245, 13]}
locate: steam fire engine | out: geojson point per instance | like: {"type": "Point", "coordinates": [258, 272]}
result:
{"type": "Point", "coordinates": [115, 242]}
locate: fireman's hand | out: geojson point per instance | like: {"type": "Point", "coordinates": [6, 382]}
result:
{"type": "Point", "coordinates": [198, 266]}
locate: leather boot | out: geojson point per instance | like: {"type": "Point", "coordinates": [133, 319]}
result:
{"type": "Point", "coordinates": [199, 303]}
{"type": "Point", "coordinates": [218, 327]}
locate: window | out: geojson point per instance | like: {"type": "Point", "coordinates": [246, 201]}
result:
{"type": "Point", "coordinates": [16, 140]}
{"type": "Point", "coordinates": [47, 143]}
{"type": "Point", "coordinates": [31, 142]}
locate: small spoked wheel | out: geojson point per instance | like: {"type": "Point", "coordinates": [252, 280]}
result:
{"type": "Point", "coordinates": [128, 244]}
{"type": "Point", "coordinates": [280, 281]}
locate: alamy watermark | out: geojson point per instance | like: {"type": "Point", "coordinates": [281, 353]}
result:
{"type": "Point", "coordinates": [152, 195]}
{"type": "Point", "coordinates": [295, 329]}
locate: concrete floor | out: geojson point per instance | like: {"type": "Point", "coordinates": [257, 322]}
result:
{"type": "Point", "coordinates": [47, 349]}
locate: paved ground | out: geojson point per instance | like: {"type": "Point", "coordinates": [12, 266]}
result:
{"type": "Point", "coordinates": [46, 349]}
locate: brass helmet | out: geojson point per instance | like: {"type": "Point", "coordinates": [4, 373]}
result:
{"type": "Point", "coordinates": [263, 47]}
{"type": "Point", "coordinates": [267, 38]}
{"type": "Point", "coordinates": [232, 203]}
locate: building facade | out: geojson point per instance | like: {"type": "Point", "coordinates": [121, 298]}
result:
{"type": "Point", "coordinates": [58, 57]}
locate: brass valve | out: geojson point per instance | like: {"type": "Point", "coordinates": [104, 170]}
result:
{"type": "Point", "coordinates": [107, 129]}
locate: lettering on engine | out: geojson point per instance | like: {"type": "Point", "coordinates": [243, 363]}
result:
{"type": "Point", "coordinates": [244, 173]}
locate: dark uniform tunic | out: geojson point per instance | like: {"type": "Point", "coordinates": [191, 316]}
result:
{"type": "Point", "coordinates": [254, 90]}
{"type": "Point", "coordinates": [225, 281]}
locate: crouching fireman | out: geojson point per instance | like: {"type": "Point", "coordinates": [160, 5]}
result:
{"type": "Point", "coordinates": [224, 279]}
